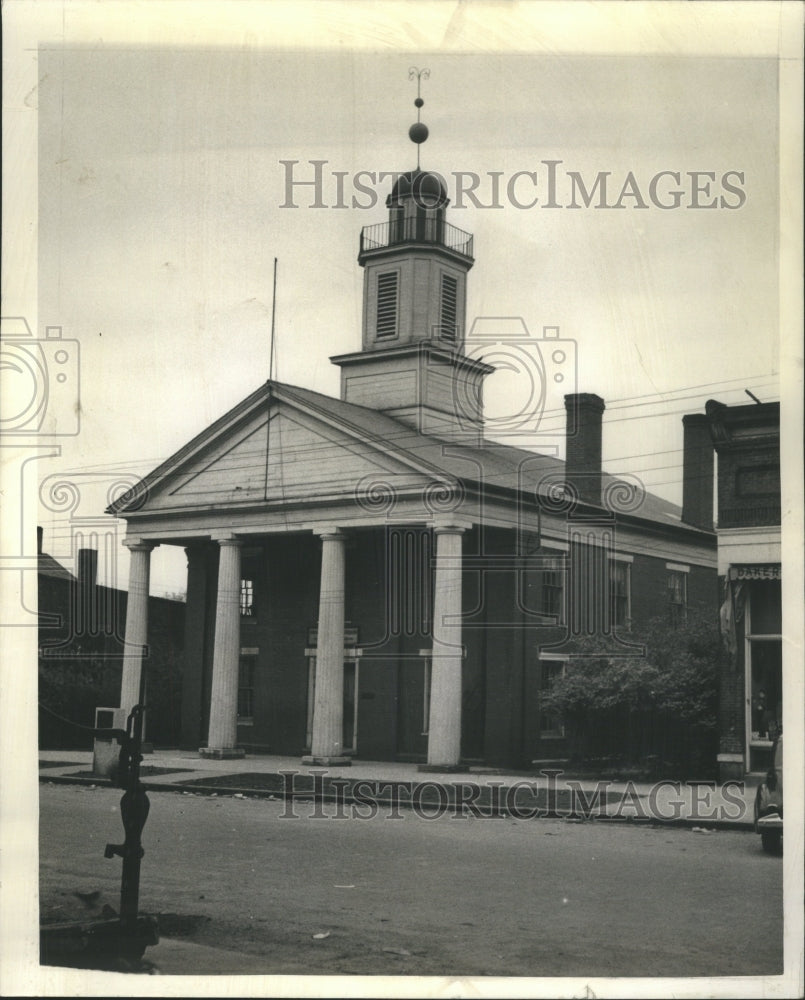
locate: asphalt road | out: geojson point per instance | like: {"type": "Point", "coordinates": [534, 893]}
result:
{"type": "Point", "coordinates": [449, 896]}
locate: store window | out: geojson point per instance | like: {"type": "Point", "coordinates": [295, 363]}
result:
{"type": "Point", "coordinates": [764, 669]}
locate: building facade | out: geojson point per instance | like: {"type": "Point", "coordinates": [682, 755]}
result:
{"type": "Point", "coordinates": [370, 576]}
{"type": "Point", "coordinates": [747, 442]}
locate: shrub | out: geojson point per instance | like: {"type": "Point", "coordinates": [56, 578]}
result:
{"type": "Point", "coordinates": [661, 705]}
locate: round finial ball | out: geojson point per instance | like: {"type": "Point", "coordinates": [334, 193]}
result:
{"type": "Point", "coordinates": [418, 103]}
{"type": "Point", "coordinates": [418, 132]}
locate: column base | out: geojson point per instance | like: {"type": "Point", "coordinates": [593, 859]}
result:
{"type": "Point", "coordinates": [221, 753]}
{"type": "Point", "coordinates": [443, 768]}
{"type": "Point", "coordinates": [328, 761]}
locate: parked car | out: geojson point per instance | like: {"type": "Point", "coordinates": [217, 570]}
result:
{"type": "Point", "coordinates": [769, 802]}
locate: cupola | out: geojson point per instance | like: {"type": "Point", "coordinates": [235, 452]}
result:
{"type": "Point", "coordinates": [412, 364]}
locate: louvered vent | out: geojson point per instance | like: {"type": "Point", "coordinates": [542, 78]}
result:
{"type": "Point", "coordinates": [387, 305]}
{"type": "Point", "coordinates": [448, 318]}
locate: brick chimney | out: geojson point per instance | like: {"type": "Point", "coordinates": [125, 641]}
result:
{"type": "Point", "coordinates": [583, 449]}
{"type": "Point", "coordinates": [87, 568]}
{"type": "Point", "coordinates": [697, 471]}
{"type": "Point", "coordinates": [86, 611]}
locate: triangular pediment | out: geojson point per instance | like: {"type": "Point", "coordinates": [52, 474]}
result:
{"type": "Point", "coordinates": [274, 451]}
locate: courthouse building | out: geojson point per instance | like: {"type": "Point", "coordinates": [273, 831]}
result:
{"type": "Point", "coordinates": [371, 576]}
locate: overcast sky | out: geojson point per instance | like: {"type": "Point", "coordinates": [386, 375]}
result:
{"type": "Point", "coordinates": [161, 197]}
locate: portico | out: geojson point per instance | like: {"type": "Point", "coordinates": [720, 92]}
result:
{"type": "Point", "coordinates": [425, 639]}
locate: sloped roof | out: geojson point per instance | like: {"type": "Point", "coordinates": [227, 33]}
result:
{"type": "Point", "coordinates": [505, 468]}
{"type": "Point", "coordinates": [48, 566]}
{"type": "Point", "coordinates": [502, 464]}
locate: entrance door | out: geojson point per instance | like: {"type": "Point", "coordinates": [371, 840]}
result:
{"type": "Point", "coordinates": [349, 738]}
{"type": "Point", "coordinates": [413, 705]}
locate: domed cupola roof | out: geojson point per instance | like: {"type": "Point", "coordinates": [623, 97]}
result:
{"type": "Point", "coordinates": [425, 188]}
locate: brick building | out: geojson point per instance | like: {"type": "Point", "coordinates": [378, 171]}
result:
{"type": "Point", "coordinates": [80, 637]}
{"type": "Point", "coordinates": [747, 442]}
{"type": "Point", "coordinates": [372, 576]}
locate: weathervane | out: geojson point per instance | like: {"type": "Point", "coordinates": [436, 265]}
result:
{"type": "Point", "coordinates": [418, 132]}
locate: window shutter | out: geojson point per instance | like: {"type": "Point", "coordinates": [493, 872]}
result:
{"type": "Point", "coordinates": [449, 313]}
{"type": "Point", "coordinates": [387, 305]}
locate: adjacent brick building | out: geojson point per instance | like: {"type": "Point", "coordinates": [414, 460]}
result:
{"type": "Point", "coordinates": [81, 626]}
{"type": "Point", "coordinates": [747, 441]}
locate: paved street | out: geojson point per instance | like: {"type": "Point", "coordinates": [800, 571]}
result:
{"type": "Point", "coordinates": [457, 896]}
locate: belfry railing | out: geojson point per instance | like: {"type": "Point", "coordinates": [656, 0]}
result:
{"type": "Point", "coordinates": [416, 230]}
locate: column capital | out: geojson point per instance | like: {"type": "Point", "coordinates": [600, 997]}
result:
{"type": "Point", "coordinates": [227, 540]}
{"type": "Point", "coordinates": [139, 545]}
{"type": "Point", "coordinates": [329, 531]}
{"type": "Point", "coordinates": [450, 526]}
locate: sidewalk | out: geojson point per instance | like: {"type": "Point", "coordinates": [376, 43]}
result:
{"type": "Point", "coordinates": [394, 785]}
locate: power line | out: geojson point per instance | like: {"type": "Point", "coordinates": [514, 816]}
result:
{"type": "Point", "coordinates": [123, 468]}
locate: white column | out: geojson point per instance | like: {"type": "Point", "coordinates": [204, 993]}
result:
{"type": "Point", "coordinates": [444, 728]}
{"type": "Point", "coordinates": [134, 649]}
{"type": "Point", "coordinates": [328, 703]}
{"type": "Point", "coordinates": [223, 729]}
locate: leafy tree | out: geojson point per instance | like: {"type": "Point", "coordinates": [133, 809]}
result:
{"type": "Point", "coordinates": [661, 705]}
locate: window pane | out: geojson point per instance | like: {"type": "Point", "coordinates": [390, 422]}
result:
{"type": "Point", "coordinates": [677, 595]}
{"type": "Point", "coordinates": [247, 598]}
{"type": "Point", "coordinates": [619, 591]}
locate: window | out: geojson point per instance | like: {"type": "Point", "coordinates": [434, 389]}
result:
{"type": "Point", "coordinates": [619, 592]}
{"type": "Point", "coordinates": [247, 608]}
{"type": "Point", "coordinates": [248, 660]}
{"type": "Point", "coordinates": [678, 595]}
{"type": "Point", "coordinates": [552, 603]}
{"type": "Point", "coordinates": [550, 723]}
{"type": "Point", "coordinates": [387, 305]}
{"type": "Point", "coordinates": [449, 311]}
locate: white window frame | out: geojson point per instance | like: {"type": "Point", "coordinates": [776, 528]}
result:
{"type": "Point", "coordinates": [543, 661]}
{"type": "Point", "coordinates": [682, 571]}
{"type": "Point", "coordinates": [623, 560]}
{"type": "Point", "coordinates": [252, 653]}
